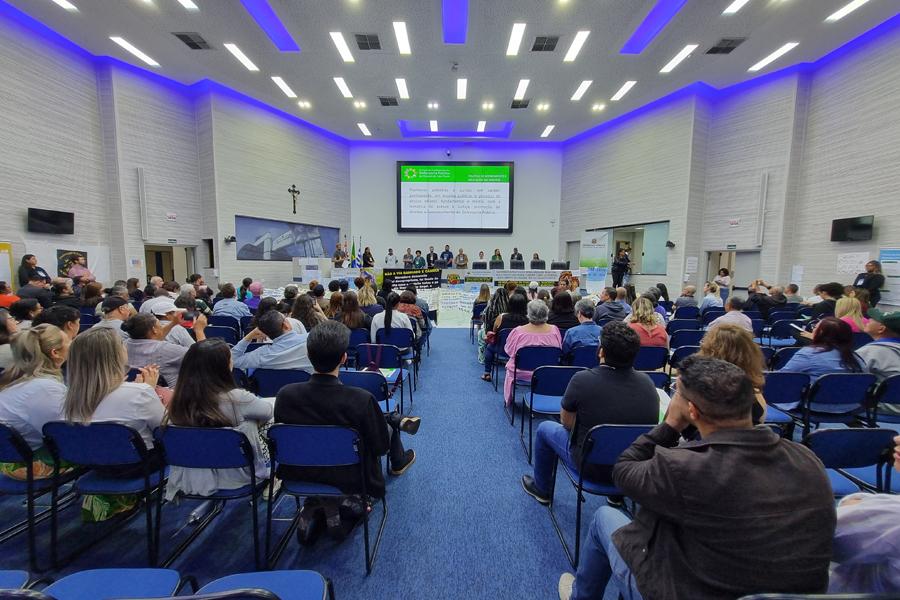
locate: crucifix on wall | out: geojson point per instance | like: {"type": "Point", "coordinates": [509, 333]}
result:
{"type": "Point", "coordinates": [294, 192]}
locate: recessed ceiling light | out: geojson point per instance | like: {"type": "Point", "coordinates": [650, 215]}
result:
{"type": "Point", "coordinates": [342, 85]}
{"type": "Point", "coordinates": [461, 85]}
{"type": "Point", "coordinates": [359, 103]}
{"type": "Point", "coordinates": [304, 104]}
{"type": "Point", "coordinates": [433, 106]}
{"type": "Point", "coordinates": [188, 4]}
{"type": "Point", "coordinates": [401, 88]}
{"type": "Point", "coordinates": [364, 129]}
{"type": "Point", "coordinates": [433, 125]}
{"type": "Point", "coordinates": [840, 14]}
{"type": "Point", "coordinates": [341, 44]}
{"type": "Point", "coordinates": [242, 58]}
{"type": "Point", "coordinates": [129, 47]}
{"type": "Point", "coordinates": [623, 90]}
{"type": "Point", "coordinates": [543, 106]}
{"type": "Point", "coordinates": [402, 38]}
{"type": "Point", "coordinates": [773, 57]}
{"type": "Point", "coordinates": [515, 39]}
{"type": "Point", "coordinates": [575, 48]}
{"type": "Point", "coordinates": [481, 125]}
{"type": "Point", "coordinates": [66, 5]}
{"type": "Point", "coordinates": [547, 130]}
{"type": "Point", "coordinates": [284, 87]}
{"type": "Point", "coordinates": [521, 89]}
{"type": "Point", "coordinates": [598, 107]}
{"type": "Point", "coordinates": [683, 54]}
{"type": "Point", "coordinates": [581, 90]}
{"type": "Point", "coordinates": [487, 106]}
{"type": "Point", "coordinates": [734, 7]}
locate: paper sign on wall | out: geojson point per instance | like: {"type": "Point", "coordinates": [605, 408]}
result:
{"type": "Point", "coordinates": [851, 263]}
{"type": "Point", "coordinates": [797, 275]}
{"type": "Point", "coordinates": [6, 264]}
{"type": "Point", "coordinates": [690, 265]}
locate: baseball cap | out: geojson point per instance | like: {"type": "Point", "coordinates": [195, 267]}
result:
{"type": "Point", "coordinates": [890, 320]}
{"type": "Point", "coordinates": [112, 303]}
{"type": "Point", "coordinates": [164, 306]}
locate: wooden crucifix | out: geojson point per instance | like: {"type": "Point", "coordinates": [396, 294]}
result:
{"type": "Point", "coordinates": [294, 192]}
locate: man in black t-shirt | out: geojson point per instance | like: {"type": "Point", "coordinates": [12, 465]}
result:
{"type": "Point", "coordinates": [612, 393]}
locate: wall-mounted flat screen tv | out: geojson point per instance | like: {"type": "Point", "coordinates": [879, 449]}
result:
{"type": "Point", "coordinates": [856, 229]}
{"type": "Point", "coordinates": [50, 221]}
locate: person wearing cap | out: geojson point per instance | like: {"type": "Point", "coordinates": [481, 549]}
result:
{"type": "Point", "coordinates": [882, 356]}
{"type": "Point", "coordinates": [115, 311]}
{"type": "Point", "coordinates": [256, 290]}
{"type": "Point", "coordinates": [165, 310]}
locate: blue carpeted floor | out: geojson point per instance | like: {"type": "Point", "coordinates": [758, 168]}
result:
{"type": "Point", "coordinates": [459, 524]}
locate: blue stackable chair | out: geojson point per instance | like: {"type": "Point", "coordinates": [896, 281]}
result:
{"type": "Point", "coordinates": [887, 392]}
{"type": "Point", "coordinates": [477, 319]}
{"type": "Point", "coordinates": [667, 305]}
{"type": "Point", "coordinates": [758, 327]}
{"type": "Point", "coordinates": [98, 446]}
{"type": "Point", "coordinates": [710, 315]}
{"type": "Point", "coordinates": [781, 334]}
{"type": "Point", "coordinates": [115, 583]}
{"type": "Point", "coordinates": [686, 337]}
{"type": "Point", "coordinates": [585, 356]}
{"type": "Point", "coordinates": [651, 358]}
{"type": "Point", "coordinates": [14, 449]}
{"type": "Point", "coordinates": [319, 446]}
{"type": "Point", "coordinates": [860, 339]}
{"type": "Point", "coordinates": [548, 385]}
{"type": "Point", "coordinates": [240, 378]}
{"type": "Point", "coordinates": [226, 333]}
{"type": "Point", "coordinates": [500, 356]}
{"type": "Point", "coordinates": [246, 325]}
{"type": "Point", "coordinates": [780, 314]}
{"type": "Point", "coordinates": [686, 312]}
{"type": "Point", "coordinates": [679, 354]}
{"type": "Point", "coordinates": [210, 448]}
{"type": "Point", "coordinates": [357, 337]}
{"type": "Point", "coordinates": [602, 447]}
{"type": "Point", "coordinates": [405, 340]}
{"type": "Point", "coordinates": [659, 378]}
{"type": "Point", "coordinates": [13, 580]}
{"type": "Point", "coordinates": [768, 353]}
{"type": "Point", "coordinates": [225, 321]}
{"type": "Point", "coordinates": [835, 398]}
{"type": "Point", "coordinates": [252, 346]}
{"type": "Point", "coordinates": [371, 381]}
{"type": "Point", "coordinates": [782, 356]}
{"type": "Point", "coordinates": [784, 391]}
{"type": "Point", "coordinates": [805, 311]}
{"type": "Point", "coordinates": [299, 585]}
{"type": "Point", "coordinates": [385, 356]}
{"type": "Point", "coordinates": [681, 324]}
{"type": "Point", "coordinates": [529, 358]}
{"type": "Point", "coordinates": [268, 382]}
{"type": "Point", "coordinates": [753, 314]}
{"type": "Point", "coordinates": [855, 458]}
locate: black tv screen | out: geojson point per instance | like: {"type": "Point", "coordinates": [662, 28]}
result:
{"type": "Point", "coordinates": [856, 229]}
{"type": "Point", "coordinates": [50, 221]}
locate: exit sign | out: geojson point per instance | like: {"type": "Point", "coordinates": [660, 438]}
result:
{"type": "Point", "coordinates": [731, 247]}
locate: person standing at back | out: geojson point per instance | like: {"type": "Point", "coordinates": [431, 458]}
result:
{"type": "Point", "coordinates": [620, 267]}
{"type": "Point", "coordinates": [339, 256]}
{"type": "Point", "coordinates": [461, 261]}
{"type": "Point", "coordinates": [391, 260]}
{"type": "Point", "coordinates": [871, 280]}
{"type": "Point", "coordinates": [447, 256]}
{"type": "Point", "coordinates": [29, 268]}
{"type": "Point", "coordinates": [419, 260]}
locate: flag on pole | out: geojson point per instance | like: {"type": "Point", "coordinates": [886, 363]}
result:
{"type": "Point", "coordinates": [354, 259]}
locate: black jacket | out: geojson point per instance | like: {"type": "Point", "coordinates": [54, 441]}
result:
{"type": "Point", "coordinates": [872, 282]}
{"type": "Point", "coordinates": [431, 258]}
{"type": "Point", "coordinates": [609, 310]}
{"type": "Point", "coordinates": [764, 303]}
{"type": "Point", "coordinates": [25, 273]}
{"type": "Point", "coordinates": [42, 295]}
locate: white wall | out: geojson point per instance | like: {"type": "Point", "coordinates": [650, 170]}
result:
{"type": "Point", "coordinates": [536, 189]}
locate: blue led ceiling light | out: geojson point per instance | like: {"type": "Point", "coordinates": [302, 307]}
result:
{"type": "Point", "coordinates": [455, 15]}
{"type": "Point", "coordinates": [655, 21]}
{"type": "Point", "coordinates": [268, 21]}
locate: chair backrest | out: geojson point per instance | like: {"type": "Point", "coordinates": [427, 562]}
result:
{"type": "Point", "coordinates": [559, 265]}
{"type": "Point", "coordinates": [529, 358]}
{"type": "Point", "coordinates": [650, 358]}
{"type": "Point", "coordinates": [667, 305]}
{"type": "Point", "coordinates": [517, 265]}
{"type": "Point", "coordinates": [603, 322]}
{"type": "Point", "coordinates": [357, 337]}
{"type": "Point", "coordinates": [585, 356]}
{"type": "Point", "coordinates": [605, 443]}
{"type": "Point", "coordinates": [888, 391]}
{"type": "Point", "coordinates": [372, 382]}
{"type": "Point", "coordinates": [841, 392]}
{"type": "Point", "coordinates": [679, 324]}
{"type": "Point", "coordinates": [478, 310]}
{"type": "Point", "coordinates": [245, 322]}
{"type": "Point", "coordinates": [500, 340]}
{"type": "Point", "coordinates": [686, 337]}
{"type": "Point", "coordinates": [753, 314]}
{"type": "Point", "coordinates": [659, 378]}
{"type": "Point", "coordinates": [95, 444]}
{"type": "Point", "coordinates": [805, 311]}
{"type": "Point", "coordinates": [784, 388]}
{"type": "Point", "coordinates": [89, 319]}
{"type": "Point", "coordinates": [758, 325]}
{"type": "Point", "coordinates": [768, 353]}
{"type": "Point", "coordinates": [552, 380]}
{"type": "Point", "coordinates": [852, 447]}
{"type": "Point", "coordinates": [782, 315]}
{"type": "Point", "coordinates": [682, 352]}
{"type": "Point", "coordinates": [205, 447]}
{"type": "Point", "coordinates": [13, 447]}
{"type": "Point", "coordinates": [383, 356]}
{"type": "Point", "coordinates": [860, 339]}
{"type": "Point", "coordinates": [397, 336]}
{"type": "Point", "coordinates": [496, 264]}
{"type": "Point", "coordinates": [268, 382]}
{"type": "Point", "coordinates": [314, 445]}
{"type": "Point", "coordinates": [226, 333]}
{"type": "Point", "coordinates": [782, 356]}
{"type": "Point", "coordinates": [783, 330]}
{"type": "Point", "coordinates": [538, 265]}
{"type": "Point", "coordinates": [711, 314]}
{"type": "Point", "coordinates": [224, 321]}
{"type": "Point", "coordinates": [687, 312]}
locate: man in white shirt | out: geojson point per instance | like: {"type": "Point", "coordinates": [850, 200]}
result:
{"type": "Point", "coordinates": [115, 311]}
{"type": "Point", "coordinates": [177, 334]}
{"type": "Point", "coordinates": [287, 350]}
{"type": "Point", "coordinates": [391, 259]}
{"type": "Point", "coordinates": [733, 315]}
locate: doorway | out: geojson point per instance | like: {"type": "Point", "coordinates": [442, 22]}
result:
{"type": "Point", "coordinates": [573, 254]}
{"type": "Point", "coordinates": [172, 263]}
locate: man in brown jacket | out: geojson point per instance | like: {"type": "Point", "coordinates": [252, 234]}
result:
{"type": "Point", "coordinates": [740, 511]}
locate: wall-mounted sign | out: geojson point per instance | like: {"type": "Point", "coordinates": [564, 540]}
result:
{"type": "Point", "coordinates": [171, 217]}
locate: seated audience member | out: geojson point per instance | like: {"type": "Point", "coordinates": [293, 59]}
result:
{"type": "Point", "coordinates": [117, 291]}
{"type": "Point", "coordinates": [871, 280]}
{"type": "Point", "coordinates": [663, 291]}
{"type": "Point", "coordinates": [711, 297]}
{"type": "Point", "coordinates": [32, 392]}
{"type": "Point", "coordinates": [419, 260]}
{"type": "Point", "coordinates": [290, 293]}
{"type": "Point", "coordinates": [159, 295]}
{"type": "Point", "coordinates": [319, 296]}
{"type": "Point", "coordinates": [173, 328]}
{"type": "Point", "coordinates": [324, 400]}
{"type": "Point", "coordinates": [206, 396]}
{"type": "Point", "coordinates": [28, 268]}
{"type": "Point", "coordinates": [265, 305]}
{"type": "Point", "coordinates": [67, 318]}
{"type": "Point", "coordinates": [734, 315]}
{"type": "Point", "coordinates": [497, 304]}
{"type": "Point", "coordinates": [256, 290]}
{"type": "Point", "coordinates": [882, 356]}
{"type": "Point", "coordinates": [333, 311]}
{"type": "Point", "coordinates": [307, 311]}
{"type": "Point", "coordinates": [147, 345]}
{"type": "Point", "coordinates": [420, 302]}
{"type": "Point", "coordinates": [793, 293]}
{"type": "Point", "coordinates": [38, 289]}
{"type": "Point", "coordinates": [63, 293]}
{"type": "Point", "coordinates": [461, 261]}
{"type": "Point", "coordinates": [544, 296]}
{"type": "Point", "coordinates": [229, 305]}
{"type": "Point", "coordinates": [6, 295]}
{"type": "Point", "coordinates": [409, 308]}
{"type": "Point", "coordinates": [849, 310]}
{"type": "Point", "coordinates": [864, 556]}
{"type": "Point", "coordinates": [515, 315]}
{"type": "Point", "coordinates": [243, 293]}
{"type": "Point", "coordinates": [333, 286]}
{"type": "Point", "coordinates": [387, 287]}
{"type": "Point", "coordinates": [287, 350]}
{"type": "Point", "coordinates": [92, 295]}
{"type": "Point", "coordinates": [532, 292]}
{"type": "Point", "coordinates": [862, 296]}
{"type": "Point", "coordinates": [609, 394]}
{"type": "Point", "coordinates": [189, 291]}
{"type": "Point", "coordinates": [562, 312]}
{"type": "Point", "coordinates": [79, 269]}
{"type": "Point", "coordinates": [115, 312]}
{"type": "Point", "coordinates": [538, 332]}
{"type": "Point", "coordinates": [831, 351]}
{"type": "Point", "coordinates": [24, 311]}
{"type": "Point", "coordinates": [390, 318]}
{"type": "Point", "coordinates": [368, 302]}
{"type": "Point", "coordinates": [764, 298]}
{"type": "Point", "coordinates": [829, 294]}
{"type": "Point", "coordinates": [622, 298]}
{"type": "Point", "coordinates": [687, 297]}
{"type": "Point", "coordinates": [8, 327]}
{"type": "Point", "coordinates": [173, 288]}
{"type": "Point", "coordinates": [732, 343]}
{"type": "Point", "coordinates": [653, 294]}
{"type": "Point", "coordinates": [484, 296]}
{"type": "Point", "coordinates": [695, 536]}
{"type": "Point", "coordinates": [646, 322]}
{"type": "Point", "coordinates": [815, 298]}
{"type": "Point", "coordinates": [343, 285]}
{"type": "Point", "coordinates": [608, 308]}
{"type": "Point", "coordinates": [351, 315]}
{"type": "Point", "coordinates": [134, 289]}
{"type": "Point", "coordinates": [587, 332]}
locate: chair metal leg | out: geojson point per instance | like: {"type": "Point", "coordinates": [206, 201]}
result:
{"type": "Point", "coordinates": [579, 500]}
{"type": "Point", "coordinates": [151, 546]}
{"type": "Point", "coordinates": [370, 558]}
{"type": "Point", "coordinates": [200, 527]}
{"type": "Point", "coordinates": [32, 544]}
{"type": "Point", "coordinates": [556, 526]}
{"type": "Point", "coordinates": [254, 506]}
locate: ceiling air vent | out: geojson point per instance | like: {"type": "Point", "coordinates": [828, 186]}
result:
{"type": "Point", "coordinates": [388, 100]}
{"type": "Point", "coordinates": [726, 45]}
{"type": "Point", "coordinates": [368, 41]}
{"type": "Point", "coordinates": [193, 40]}
{"type": "Point", "coordinates": [519, 104]}
{"type": "Point", "coordinates": [545, 43]}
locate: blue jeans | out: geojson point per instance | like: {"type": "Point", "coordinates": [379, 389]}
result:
{"type": "Point", "coordinates": [488, 357]}
{"type": "Point", "coordinates": [550, 440]}
{"type": "Point", "coordinates": [600, 561]}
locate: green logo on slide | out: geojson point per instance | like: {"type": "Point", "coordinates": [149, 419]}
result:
{"type": "Point", "coordinates": [456, 173]}
{"type": "Point", "coordinates": [409, 173]}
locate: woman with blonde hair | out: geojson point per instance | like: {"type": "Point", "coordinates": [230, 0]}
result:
{"type": "Point", "coordinates": [32, 392]}
{"type": "Point", "coordinates": [711, 298]}
{"type": "Point", "coordinates": [646, 322]}
{"type": "Point", "coordinates": [368, 302]}
{"type": "Point", "coordinates": [484, 294]}
{"type": "Point", "coordinates": [735, 344]}
{"type": "Point", "coordinates": [849, 310]}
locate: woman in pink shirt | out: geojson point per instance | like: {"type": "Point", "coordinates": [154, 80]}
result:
{"type": "Point", "coordinates": [536, 333]}
{"type": "Point", "coordinates": [849, 310]}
